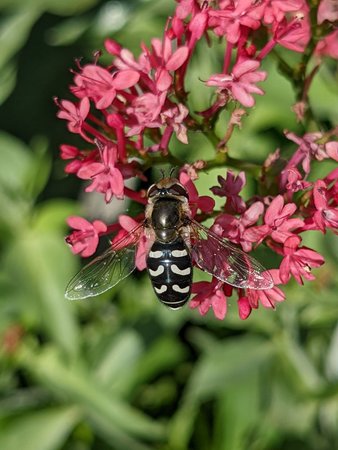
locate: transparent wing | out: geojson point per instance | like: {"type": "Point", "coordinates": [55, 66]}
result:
{"type": "Point", "coordinates": [225, 261]}
{"type": "Point", "coordinates": [106, 270]}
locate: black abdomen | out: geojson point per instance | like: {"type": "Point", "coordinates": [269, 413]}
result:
{"type": "Point", "coordinates": [170, 270]}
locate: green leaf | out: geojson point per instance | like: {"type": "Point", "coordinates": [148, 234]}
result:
{"type": "Point", "coordinates": [226, 362]}
{"type": "Point", "coordinates": [165, 354]}
{"type": "Point", "coordinates": [14, 30]}
{"type": "Point", "coordinates": [237, 413]}
{"type": "Point", "coordinates": [51, 216]}
{"type": "Point", "coordinates": [65, 7]}
{"type": "Point", "coordinates": [15, 162]}
{"type": "Point", "coordinates": [62, 7]}
{"type": "Point", "coordinates": [38, 175]}
{"type": "Point", "coordinates": [224, 365]}
{"type": "Point", "coordinates": [43, 264]}
{"type": "Point", "coordinates": [46, 429]}
{"type": "Point", "coordinates": [322, 92]}
{"type": "Point", "coordinates": [68, 31]}
{"type": "Point", "coordinates": [120, 357]}
{"type": "Point", "coordinates": [332, 357]}
{"type": "Point", "coordinates": [7, 81]}
{"type": "Point", "coordinates": [110, 413]}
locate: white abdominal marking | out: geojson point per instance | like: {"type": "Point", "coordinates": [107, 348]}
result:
{"type": "Point", "coordinates": [162, 289]}
{"type": "Point", "coordinates": [178, 271]}
{"type": "Point", "coordinates": [157, 272]}
{"type": "Point", "coordinates": [179, 253]}
{"type": "Point", "coordinates": [156, 254]}
{"type": "Point", "coordinates": [184, 290]}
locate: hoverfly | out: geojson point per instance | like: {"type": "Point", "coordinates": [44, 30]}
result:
{"type": "Point", "coordinates": [176, 241]}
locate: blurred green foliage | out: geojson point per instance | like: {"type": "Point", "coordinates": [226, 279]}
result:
{"type": "Point", "coordinates": [122, 372]}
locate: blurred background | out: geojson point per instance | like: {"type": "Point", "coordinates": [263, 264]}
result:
{"type": "Point", "coordinates": [121, 371]}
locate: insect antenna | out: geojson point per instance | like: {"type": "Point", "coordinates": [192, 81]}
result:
{"type": "Point", "coordinates": [172, 171]}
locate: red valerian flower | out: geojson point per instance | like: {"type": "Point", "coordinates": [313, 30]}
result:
{"type": "Point", "coordinates": [132, 108]}
{"type": "Point", "coordinates": [235, 15]}
{"type": "Point", "coordinates": [244, 307]}
{"type": "Point", "coordinates": [86, 237]}
{"type": "Point", "coordinates": [277, 222]}
{"type": "Point", "coordinates": [204, 203]}
{"type": "Point", "coordinates": [298, 261]}
{"type": "Point", "coordinates": [267, 297]}
{"type": "Point", "coordinates": [275, 10]}
{"type": "Point", "coordinates": [241, 81]}
{"type": "Point", "coordinates": [325, 215]}
{"type": "Point", "coordinates": [309, 148]}
{"type": "Point", "coordinates": [210, 295]}
{"type": "Point", "coordinates": [174, 118]}
{"type": "Point", "coordinates": [125, 59]}
{"type": "Point", "coordinates": [230, 188]}
{"type": "Point", "coordinates": [75, 115]}
{"type": "Point", "coordinates": [233, 228]}
{"type": "Point", "coordinates": [146, 109]}
{"type": "Point", "coordinates": [99, 84]}
{"type": "Point", "coordinates": [165, 60]}
{"type": "Point", "coordinates": [295, 181]}
{"type": "Point", "coordinates": [327, 10]}
{"type": "Point", "coordinates": [328, 46]}
{"type": "Point", "coordinates": [106, 178]}
{"type": "Point", "coordinates": [293, 35]}
{"type": "Point", "coordinates": [71, 152]}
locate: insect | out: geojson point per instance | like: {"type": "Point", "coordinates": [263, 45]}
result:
{"type": "Point", "coordinates": [175, 241]}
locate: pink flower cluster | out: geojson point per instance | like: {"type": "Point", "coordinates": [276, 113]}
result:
{"type": "Point", "coordinates": [128, 112]}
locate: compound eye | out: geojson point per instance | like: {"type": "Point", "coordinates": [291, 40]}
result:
{"type": "Point", "coordinates": [177, 189]}
{"type": "Point", "coordinates": [152, 191]}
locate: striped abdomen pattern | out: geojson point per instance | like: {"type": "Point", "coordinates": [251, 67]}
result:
{"type": "Point", "coordinates": [170, 270]}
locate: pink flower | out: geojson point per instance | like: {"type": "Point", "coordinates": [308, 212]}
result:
{"type": "Point", "coordinates": [192, 169]}
{"type": "Point", "coordinates": [275, 10]}
{"type": "Point", "coordinates": [234, 16]}
{"type": "Point", "coordinates": [164, 60]}
{"type": "Point", "coordinates": [325, 215]}
{"type": "Point", "coordinates": [71, 152]}
{"type": "Point", "coordinates": [198, 26]}
{"type": "Point", "coordinates": [86, 237]}
{"type": "Point", "coordinates": [267, 297]}
{"type": "Point", "coordinates": [230, 188]}
{"type": "Point", "coordinates": [146, 110]}
{"type": "Point", "coordinates": [174, 118]}
{"type": "Point", "coordinates": [106, 178]}
{"type": "Point", "coordinates": [295, 181]}
{"type": "Point", "coordinates": [210, 295]}
{"type": "Point", "coordinates": [233, 228]}
{"type": "Point", "coordinates": [308, 149]}
{"type": "Point", "coordinates": [277, 222]}
{"type": "Point", "coordinates": [300, 108]}
{"type": "Point", "coordinates": [327, 10]}
{"type": "Point", "coordinates": [99, 84]}
{"type": "Point", "coordinates": [298, 261]}
{"type": "Point", "coordinates": [204, 203]}
{"type": "Point", "coordinates": [125, 59]}
{"type": "Point", "coordinates": [74, 114]}
{"type": "Point", "coordinates": [241, 82]}
{"type": "Point", "coordinates": [244, 307]}
{"type": "Point", "coordinates": [328, 46]}
{"type": "Point", "coordinates": [293, 35]}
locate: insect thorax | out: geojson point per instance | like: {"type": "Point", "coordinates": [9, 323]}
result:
{"type": "Point", "coordinates": [166, 218]}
